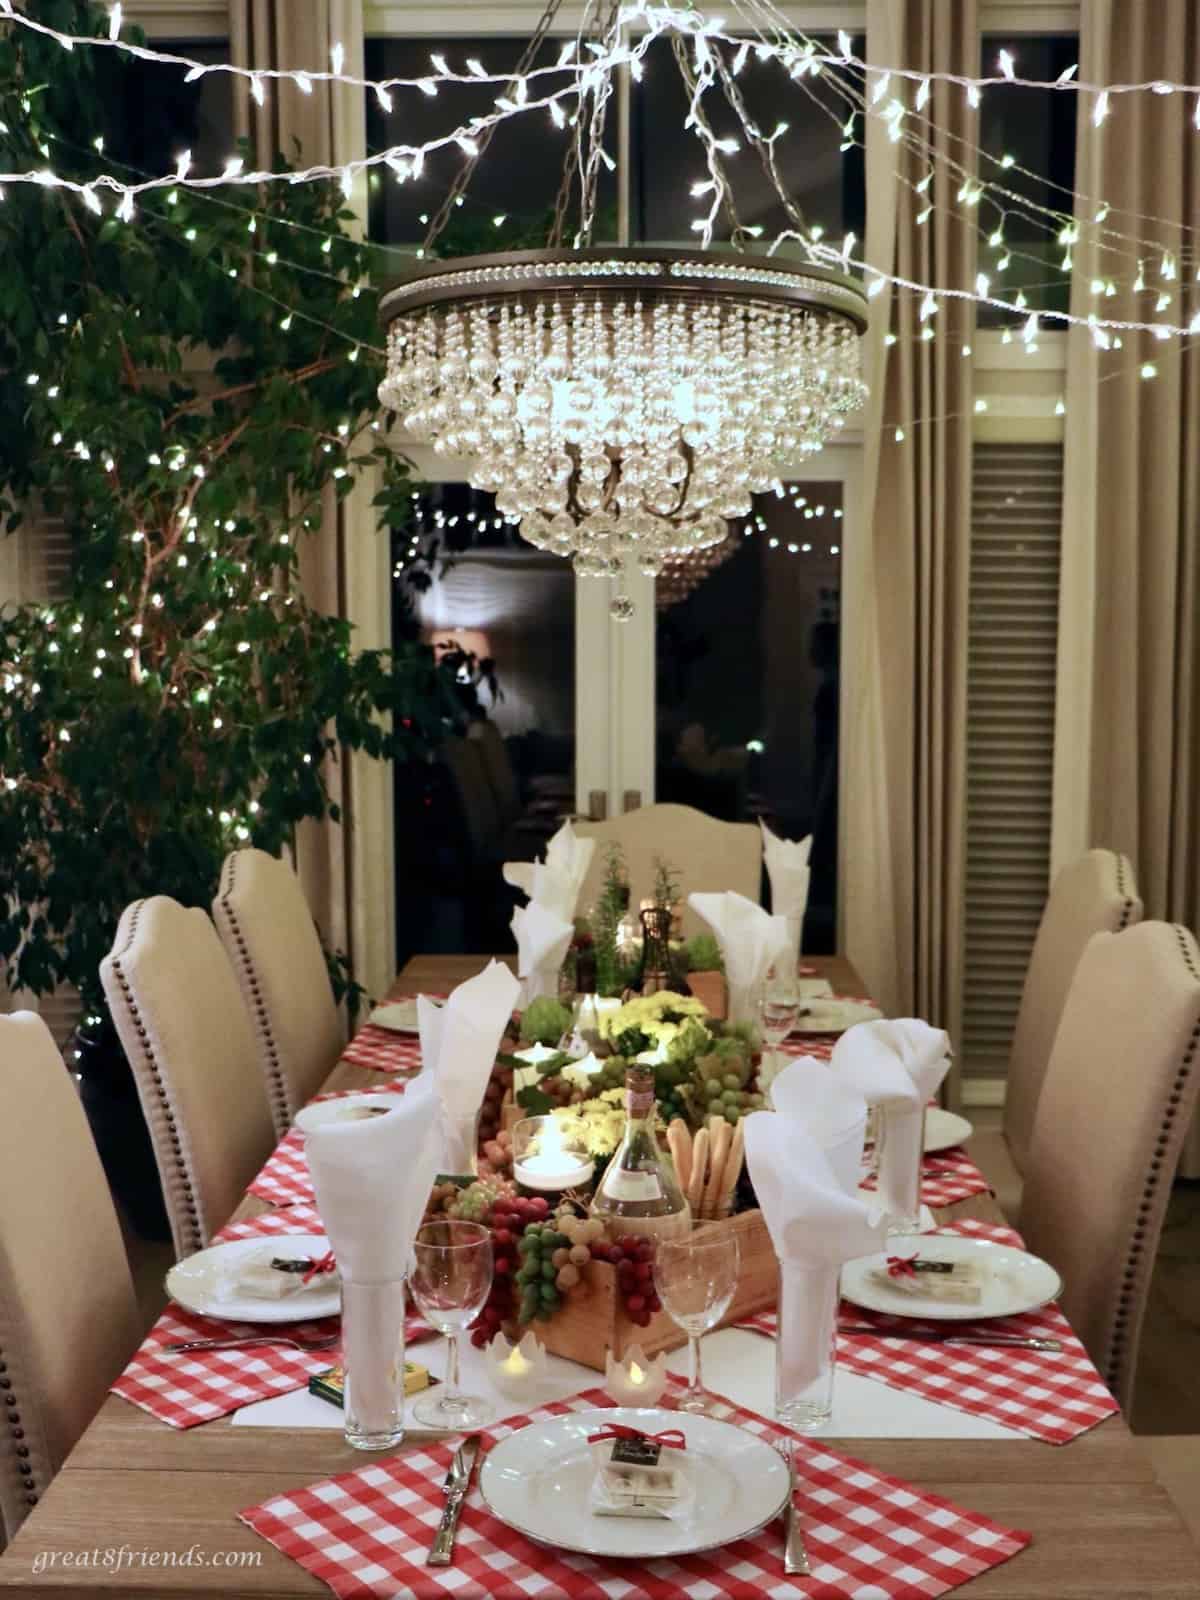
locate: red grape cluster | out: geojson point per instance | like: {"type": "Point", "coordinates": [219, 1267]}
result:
{"type": "Point", "coordinates": [490, 1112]}
{"type": "Point", "coordinates": [634, 1261]}
{"type": "Point", "coordinates": [508, 1221]}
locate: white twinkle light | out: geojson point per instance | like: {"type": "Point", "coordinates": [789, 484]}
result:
{"type": "Point", "coordinates": [337, 57]}
{"type": "Point", "coordinates": [1067, 73]}
{"type": "Point", "coordinates": [114, 21]}
{"type": "Point", "coordinates": [1100, 109]}
{"type": "Point", "coordinates": [256, 89]}
{"type": "Point", "coordinates": [1007, 66]}
{"type": "Point", "coordinates": [303, 82]}
{"type": "Point", "coordinates": [922, 94]}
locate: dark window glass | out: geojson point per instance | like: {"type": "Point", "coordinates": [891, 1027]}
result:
{"type": "Point", "coordinates": [161, 115]}
{"type": "Point", "coordinates": [747, 684]}
{"type": "Point", "coordinates": [1036, 127]}
{"type": "Point", "coordinates": [517, 179]}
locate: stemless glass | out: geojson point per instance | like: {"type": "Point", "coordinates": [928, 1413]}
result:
{"type": "Point", "coordinates": [695, 1279]}
{"type": "Point", "coordinates": [778, 1008]}
{"type": "Point", "coordinates": [450, 1279]}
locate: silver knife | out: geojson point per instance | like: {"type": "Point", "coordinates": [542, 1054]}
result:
{"type": "Point", "coordinates": [1010, 1341]}
{"type": "Point", "coordinates": [795, 1556]}
{"type": "Point", "coordinates": [455, 1487]}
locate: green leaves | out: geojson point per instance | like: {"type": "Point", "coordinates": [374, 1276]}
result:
{"type": "Point", "coordinates": [180, 393]}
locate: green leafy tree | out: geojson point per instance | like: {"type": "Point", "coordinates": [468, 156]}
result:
{"type": "Point", "coordinates": [181, 387]}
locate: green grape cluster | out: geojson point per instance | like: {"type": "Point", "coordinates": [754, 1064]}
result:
{"type": "Point", "coordinates": [475, 1202]}
{"type": "Point", "coordinates": [544, 1251]}
{"type": "Point", "coordinates": [721, 1086]}
{"type": "Point", "coordinates": [610, 1076]}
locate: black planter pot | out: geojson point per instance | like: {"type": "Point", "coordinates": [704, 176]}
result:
{"type": "Point", "coordinates": [114, 1111]}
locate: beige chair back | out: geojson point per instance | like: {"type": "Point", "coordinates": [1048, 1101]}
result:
{"type": "Point", "coordinates": [179, 1013]}
{"type": "Point", "coordinates": [1122, 1081]}
{"type": "Point", "coordinates": [271, 940]}
{"type": "Point", "coordinates": [1095, 894]}
{"type": "Point", "coordinates": [704, 853]}
{"type": "Point", "coordinates": [68, 1318]}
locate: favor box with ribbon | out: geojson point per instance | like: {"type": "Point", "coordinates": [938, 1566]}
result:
{"type": "Point", "coordinates": [586, 1329]}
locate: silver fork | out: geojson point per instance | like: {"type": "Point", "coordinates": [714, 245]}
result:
{"type": "Point", "coordinates": [244, 1344]}
{"type": "Point", "coordinates": [795, 1556]}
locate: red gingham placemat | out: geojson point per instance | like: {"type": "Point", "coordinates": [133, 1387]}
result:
{"type": "Point", "coordinates": [869, 1537]}
{"type": "Point", "coordinates": [186, 1389]}
{"type": "Point", "coordinates": [1048, 1396]}
{"type": "Point", "coordinates": [285, 1179]}
{"type": "Point", "coordinates": [948, 1176]}
{"type": "Point", "coordinates": [384, 1050]}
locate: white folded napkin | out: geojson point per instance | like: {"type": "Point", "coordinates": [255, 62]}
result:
{"type": "Point", "coordinates": [543, 938]}
{"type": "Point", "coordinates": [372, 1180]}
{"type": "Point", "coordinates": [788, 869]}
{"type": "Point", "coordinates": [897, 1066]}
{"type": "Point", "coordinates": [803, 1162]}
{"type": "Point", "coordinates": [459, 1041]}
{"type": "Point", "coordinates": [751, 941]}
{"type": "Point", "coordinates": [556, 882]}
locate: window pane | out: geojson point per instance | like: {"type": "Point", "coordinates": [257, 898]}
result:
{"type": "Point", "coordinates": [747, 691]}
{"type": "Point", "coordinates": [501, 615]}
{"type": "Point", "coordinates": [827, 184]}
{"type": "Point", "coordinates": [1036, 127]}
{"type": "Point", "coordinates": [518, 177]}
{"type": "Point", "coordinates": [160, 115]}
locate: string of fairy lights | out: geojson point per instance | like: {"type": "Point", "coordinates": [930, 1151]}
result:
{"type": "Point", "coordinates": [718, 54]}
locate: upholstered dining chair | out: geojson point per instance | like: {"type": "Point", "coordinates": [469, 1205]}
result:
{"type": "Point", "coordinates": [1123, 1079]}
{"type": "Point", "coordinates": [270, 938]}
{"type": "Point", "coordinates": [1095, 894]}
{"type": "Point", "coordinates": [706, 854]}
{"type": "Point", "coordinates": [68, 1317]}
{"type": "Point", "coordinates": [179, 1014]}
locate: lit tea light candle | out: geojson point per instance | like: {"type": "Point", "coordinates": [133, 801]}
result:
{"type": "Point", "coordinates": [549, 1159]}
{"type": "Point", "coordinates": [515, 1369]}
{"type": "Point", "coordinates": [635, 1381]}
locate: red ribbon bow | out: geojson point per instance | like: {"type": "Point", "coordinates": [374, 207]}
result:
{"type": "Point", "coordinates": [901, 1267]}
{"type": "Point", "coordinates": [324, 1263]}
{"type": "Point", "coordinates": [670, 1438]}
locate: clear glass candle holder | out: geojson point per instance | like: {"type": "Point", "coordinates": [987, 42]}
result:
{"type": "Point", "coordinates": [806, 1346]}
{"type": "Point", "coordinates": [373, 1360]}
{"type": "Point", "coordinates": [550, 1157]}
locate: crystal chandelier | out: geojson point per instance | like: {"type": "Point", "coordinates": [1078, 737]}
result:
{"type": "Point", "coordinates": [683, 575]}
{"type": "Point", "coordinates": [622, 403]}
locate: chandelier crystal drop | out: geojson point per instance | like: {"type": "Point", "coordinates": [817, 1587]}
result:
{"type": "Point", "coordinates": [623, 403]}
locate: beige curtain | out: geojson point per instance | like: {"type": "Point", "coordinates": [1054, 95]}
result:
{"type": "Point", "coordinates": [328, 126]}
{"type": "Point", "coordinates": [1127, 771]}
{"type": "Point", "coordinates": [907, 566]}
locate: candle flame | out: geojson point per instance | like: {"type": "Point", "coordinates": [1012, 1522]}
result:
{"type": "Point", "coordinates": [636, 1375]}
{"type": "Point", "coordinates": [516, 1365]}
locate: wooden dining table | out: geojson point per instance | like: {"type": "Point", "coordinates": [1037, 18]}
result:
{"type": "Point", "coordinates": [1103, 1528]}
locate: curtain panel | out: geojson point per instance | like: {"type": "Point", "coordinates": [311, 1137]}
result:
{"type": "Point", "coordinates": [1127, 735]}
{"type": "Point", "coordinates": [907, 566]}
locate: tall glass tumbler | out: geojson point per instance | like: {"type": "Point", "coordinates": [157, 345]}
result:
{"type": "Point", "coordinates": [901, 1152]}
{"type": "Point", "coordinates": [373, 1360]}
{"type": "Point", "coordinates": [806, 1345]}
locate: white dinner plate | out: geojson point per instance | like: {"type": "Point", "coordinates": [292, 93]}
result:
{"type": "Point", "coordinates": [834, 1016]}
{"type": "Point", "coordinates": [1014, 1281]}
{"type": "Point", "coordinates": [345, 1108]}
{"type": "Point", "coordinates": [399, 1016]}
{"type": "Point", "coordinates": [944, 1129]}
{"type": "Point", "coordinates": [537, 1481]}
{"type": "Point", "coordinates": [197, 1282]}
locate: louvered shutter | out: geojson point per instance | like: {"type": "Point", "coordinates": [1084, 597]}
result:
{"type": "Point", "coordinates": [43, 572]}
{"type": "Point", "coordinates": [1016, 524]}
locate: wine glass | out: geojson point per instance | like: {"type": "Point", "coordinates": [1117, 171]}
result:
{"type": "Point", "coordinates": [695, 1279]}
{"type": "Point", "coordinates": [450, 1279]}
{"type": "Point", "coordinates": [778, 1008]}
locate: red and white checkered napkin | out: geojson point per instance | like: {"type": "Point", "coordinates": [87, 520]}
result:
{"type": "Point", "coordinates": [869, 1537]}
{"type": "Point", "coordinates": [1036, 1392]}
{"type": "Point", "coordinates": [384, 1050]}
{"type": "Point", "coordinates": [186, 1389]}
{"type": "Point", "coordinates": [948, 1176]}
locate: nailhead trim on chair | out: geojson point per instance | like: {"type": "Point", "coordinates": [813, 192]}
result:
{"type": "Point", "coordinates": [1124, 872]}
{"type": "Point", "coordinates": [16, 1433]}
{"type": "Point", "coordinates": [192, 1228]}
{"type": "Point", "coordinates": [277, 1089]}
{"type": "Point", "coordinates": [1119, 1352]}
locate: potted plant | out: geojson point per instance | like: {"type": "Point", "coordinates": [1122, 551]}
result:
{"type": "Point", "coordinates": [187, 384]}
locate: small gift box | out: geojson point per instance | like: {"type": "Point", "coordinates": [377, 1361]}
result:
{"type": "Point", "coordinates": [954, 1282]}
{"type": "Point", "coordinates": [638, 1474]}
{"type": "Point", "coordinates": [264, 1274]}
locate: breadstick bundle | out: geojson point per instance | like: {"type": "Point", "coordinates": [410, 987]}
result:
{"type": "Point", "coordinates": [707, 1164]}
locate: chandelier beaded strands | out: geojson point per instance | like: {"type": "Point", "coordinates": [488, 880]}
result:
{"type": "Point", "coordinates": [621, 402]}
